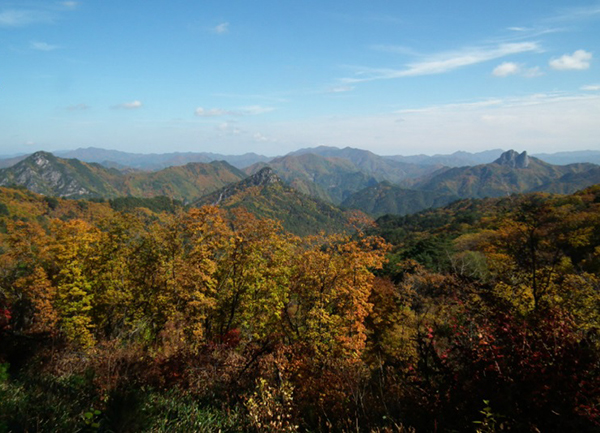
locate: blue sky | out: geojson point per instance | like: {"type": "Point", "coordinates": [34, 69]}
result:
{"type": "Point", "coordinates": [394, 77]}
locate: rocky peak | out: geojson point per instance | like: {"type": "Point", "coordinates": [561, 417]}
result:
{"type": "Point", "coordinates": [262, 177]}
{"type": "Point", "coordinates": [513, 159]}
{"type": "Point", "coordinates": [41, 159]}
{"type": "Point", "coordinates": [41, 172]}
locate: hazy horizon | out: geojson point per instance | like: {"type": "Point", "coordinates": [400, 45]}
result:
{"type": "Point", "coordinates": [6, 156]}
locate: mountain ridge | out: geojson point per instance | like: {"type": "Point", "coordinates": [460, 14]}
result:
{"type": "Point", "coordinates": [44, 173]}
{"type": "Point", "coordinates": [265, 195]}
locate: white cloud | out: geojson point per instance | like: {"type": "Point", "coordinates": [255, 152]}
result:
{"type": "Point", "coordinates": [43, 46]}
{"type": "Point", "coordinates": [579, 60]}
{"type": "Point", "coordinates": [445, 62]}
{"type": "Point", "coordinates": [591, 88]}
{"type": "Point", "coordinates": [22, 17]}
{"type": "Point", "coordinates": [221, 28]}
{"type": "Point", "coordinates": [510, 68]}
{"type": "Point", "coordinates": [129, 105]}
{"type": "Point", "coordinates": [505, 69]}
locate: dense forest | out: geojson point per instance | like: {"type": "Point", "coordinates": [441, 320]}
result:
{"type": "Point", "coordinates": [144, 315]}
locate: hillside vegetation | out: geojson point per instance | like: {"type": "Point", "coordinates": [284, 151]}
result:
{"type": "Point", "coordinates": [478, 316]}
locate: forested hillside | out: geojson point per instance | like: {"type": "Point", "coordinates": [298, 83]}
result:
{"type": "Point", "coordinates": [147, 316]}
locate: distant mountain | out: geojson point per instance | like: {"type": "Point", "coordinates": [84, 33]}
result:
{"type": "Point", "coordinates": [47, 174]}
{"type": "Point", "coordinates": [157, 161]}
{"type": "Point", "coordinates": [265, 195]}
{"type": "Point", "coordinates": [563, 158]}
{"type": "Point", "coordinates": [456, 159]}
{"type": "Point", "coordinates": [510, 173]}
{"type": "Point", "coordinates": [379, 167]}
{"type": "Point", "coordinates": [386, 198]}
{"type": "Point", "coordinates": [11, 160]}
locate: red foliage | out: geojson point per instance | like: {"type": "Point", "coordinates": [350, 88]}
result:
{"type": "Point", "coordinates": [5, 317]}
{"type": "Point", "coordinates": [538, 370]}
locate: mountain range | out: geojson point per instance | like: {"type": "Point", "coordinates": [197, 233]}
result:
{"type": "Point", "coordinates": [305, 188]}
{"type": "Point", "coordinates": [139, 161]}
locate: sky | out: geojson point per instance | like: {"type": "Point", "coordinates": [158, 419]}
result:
{"type": "Point", "coordinates": [272, 76]}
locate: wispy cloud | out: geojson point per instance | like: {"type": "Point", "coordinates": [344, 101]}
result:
{"type": "Point", "coordinates": [43, 46]}
{"type": "Point", "coordinates": [244, 111]}
{"type": "Point", "coordinates": [461, 105]}
{"type": "Point", "coordinates": [221, 28]}
{"type": "Point", "coordinates": [591, 88]}
{"type": "Point", "coordinates": [536, 99]}
{"type": "Point", "coordinates": [24, 17]}
{"type": "Point", "coordinates": [128, 105]}
{"type": "Point", "coordinates": [579, 60]}
{"type": "Point", "coordinates": [445, 62]}
{"type": "Point", "coordinates": [576, 14]}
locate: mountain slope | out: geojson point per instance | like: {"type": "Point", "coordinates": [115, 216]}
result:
{"type": "Point", "coordinates": [385, 198]}
{"type": "Point", "coordinates": [511, 173]}
{"type": "Point", "coordinates": [188, 182]}
{"type": "Point", "coordinates": [265, 195]}
{"type": "Point", "coordinates": [572, 182]}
